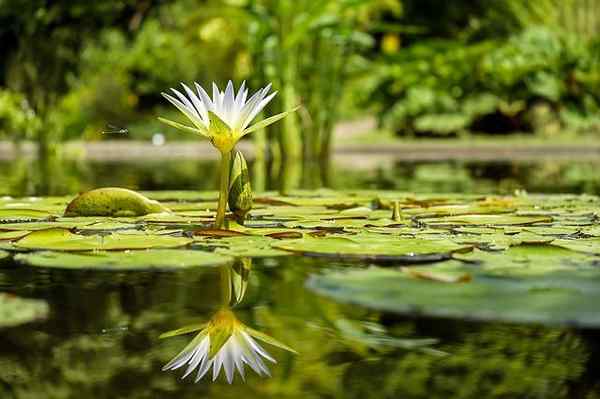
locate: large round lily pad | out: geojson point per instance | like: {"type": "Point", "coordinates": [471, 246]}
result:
{"type": "Point", "coordinates": [374, 248]}
{"type": "Point", "coordinates": [521, 287]}
{"type": "Point", "coordinates": [15, 310]}
{"type": "Point", "coordinates": [64, 240]}
{"type": "Point", "coordinates": [155, 259]}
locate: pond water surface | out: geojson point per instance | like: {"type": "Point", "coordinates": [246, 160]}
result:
{"type": "Point", "coordinates": [101, 338]}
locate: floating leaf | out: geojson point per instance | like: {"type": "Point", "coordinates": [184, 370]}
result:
{"type": "Point", "coordinates": [156, 259]}
{"type": "Point", "coordinates": [13, 235]}
{"type": "Point", "coordinates": [112, 201]}
{"type": "Point", "coordinates": [64, 240]}
{"type": "Point", "coordinates": [554, 298]}
{"type": "Point", "coordinates": [492, 220]}
{"type": "Point", "coordinates": [589, 245]}
{"type": "Point", "coordinates": [371, 248]}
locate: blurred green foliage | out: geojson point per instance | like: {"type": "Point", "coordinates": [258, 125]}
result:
{"type": "Point", "coordinates": [428, 67]}
{"type": "Point", "coordinates": [512, 66]}
{"type": "Point", "coordinates": [18, 120]}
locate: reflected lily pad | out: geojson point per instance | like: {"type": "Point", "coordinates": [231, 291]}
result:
{"type": "Point", "coordinates": [64, 240]}
{"type": "Point", "coordinates": [155, 259]}
{"type": "Point", "coordinates": [15, 311]}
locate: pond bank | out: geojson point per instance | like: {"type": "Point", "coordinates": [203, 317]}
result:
{"type": "Point", "coordinates": [116, 150]}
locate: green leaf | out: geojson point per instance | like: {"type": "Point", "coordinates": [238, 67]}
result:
{"type": "Point", "coordinates": [218, 338]}
{"type": "Point", "coordinates": [217, 125]}
{"type": "Point", "coordinates": [266, 122]}
{"type": "Point", "coordinates": [536, 284]}
{"type": "Point", "coordinates": [183, 330]}
{"type": "Point", "coordinates": [374, 248]}
{"type": "Point", "coordinates": [154, 259]}
{"type": "Point", "coordinates": [64, 240]}
{"type": "Point", "coordinates": [268, 339]}
{"type": "Point", "coordinates": [179, 126]}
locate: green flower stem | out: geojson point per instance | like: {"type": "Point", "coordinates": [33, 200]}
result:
{"type": "Point", "coordinates": [223, 189]}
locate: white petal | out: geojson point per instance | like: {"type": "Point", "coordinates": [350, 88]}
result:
{"type": "Point", "coordinates": [184, 356]}
{"type": "Point", "coordinates": [228, 102]}
{"type": "Point", "coordinates": [228, 362]}
{"type": "Point", "coordinates": [198, 104]}
{"type": "Point", "coordinates": [181, 107]}
{"type": "Point", "coordinates": [237, 358]}
{"type": "Point", "coordinates": [263, 367]}
{"type": "Point", "coordinates": [217, 99]}
{"type": "Point", "coordinates": [187, 102]}
{"type": "Point", "coordinates": [240, 98]}
{"type": "Point", "coordinates": [249, 106]}
{"type": "Point", "coordinates": [250, 359]}
{"type": "Point", "coordinates": [194, 362]}
{"type": "Point", "coordinates": [257, 109]}
{"type": "Point", "coordinates": [208, 103]}
{"type": "Point", "coordinates": [218, 361]}
{"type": "Point", "coordinates": [257, 348]}
{"type": "Point", "coordinates": [204, 367]}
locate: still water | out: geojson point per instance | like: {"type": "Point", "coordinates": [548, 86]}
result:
{"type": "Point", "coordinates": [102, 337]}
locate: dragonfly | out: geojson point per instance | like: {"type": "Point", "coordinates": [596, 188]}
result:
{"type": "Point", "coordinates": [112, 129]}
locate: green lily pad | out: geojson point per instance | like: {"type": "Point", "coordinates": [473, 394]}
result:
{"type": "Point", "coordinates": [246, 246]}
{"type": "Point", "coordinates": [489, 220]}
{"type": "Point", "coordinates": [554, 298]}
{"type": "Point", "coordinates": [31, 226]}
{"type": "Point", "coordinates": [155, 259]}
{"type": "Point", "coordinates": [13, 235]}
{"type": "Point", "coordinates": [15, 311]}
{"type": "Point", "coordinates": [588, 245]}
{"type": "Point", "coordinates": [22, 214]}
{"type": "Point", "coordinates": [64, 240]}
{"type": "Point", "coordinates": [371, 247]}
{"type": "Point", "coordinates": [113, 201]}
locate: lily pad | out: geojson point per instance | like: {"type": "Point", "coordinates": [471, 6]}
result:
{"type": "Point", "coordinates": [15, 311]}
{"type": "Point", "coordinates": [554, 298]}
{"type": "Point", "coordinates": [64, 240]}
{"type": "Point", "coordinates": [155, 259]}
{"type": "Point", "coordinates": [488, 220]}
{"type": "Point", "coordinates": [374, 248]}
{"type": "Point", "coordinates": [113, 201]}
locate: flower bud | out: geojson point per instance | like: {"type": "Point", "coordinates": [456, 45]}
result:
{"type": "Point", "coordinates": [240, 191]}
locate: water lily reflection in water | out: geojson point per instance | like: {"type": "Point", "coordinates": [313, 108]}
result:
{"type": "Point", "coordinates": [224, 342]}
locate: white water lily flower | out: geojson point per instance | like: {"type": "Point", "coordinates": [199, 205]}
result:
{"type": "Point", "coordinates": [225, 343]}
{"type": "Point", "coordinates": [224, 118]}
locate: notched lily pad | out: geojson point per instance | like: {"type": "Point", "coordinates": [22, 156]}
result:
{"type": "Point", "coordinates": [112, 201]}
{"type": "Point", "coordinates": [15, 311]}
{"type": "Point", "coordinates": [154, 259]}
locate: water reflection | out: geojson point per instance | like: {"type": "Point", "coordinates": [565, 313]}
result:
{"type": "Point", "coordinates": [224, 341]}
{"type": "Point", "coordinates": [101, 341]}
{"type": "Point", "coordinates": [57, 177]}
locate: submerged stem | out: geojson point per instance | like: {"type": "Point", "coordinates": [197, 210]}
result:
{"type": "Point", "coordinates": [223, 189]}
